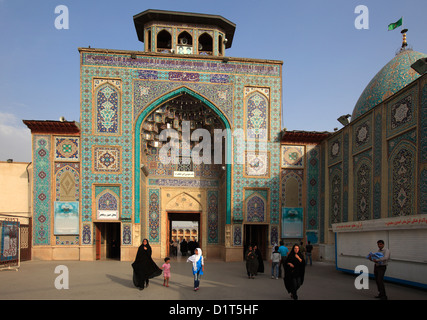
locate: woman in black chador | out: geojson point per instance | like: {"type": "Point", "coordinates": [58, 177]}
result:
{"type": "Point", "coordinates": [184, 247]}
{"type": "Point", "coordinates": [144, 268]}
{"type": "Point", "coordinates": [251, 262]}
{"type": "Point", "coordinates": [260, 260]}
{"type": "Point", "coordinates": [294, 271]}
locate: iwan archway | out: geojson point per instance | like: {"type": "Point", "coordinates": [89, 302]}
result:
{"type": "Point", "coordinates": [146, 115]}
{"type": "Point", "coordinates": [183, 206]}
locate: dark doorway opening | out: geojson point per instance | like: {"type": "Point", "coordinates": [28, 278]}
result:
{"type": "Point", "coordinates": [256, 234]}
{"type": "Point", "coordinates": [107, 240]}
{"type": "Point", "coordinates": [179, 236]}
{"type": "Point", "coordinates": [25, 232]}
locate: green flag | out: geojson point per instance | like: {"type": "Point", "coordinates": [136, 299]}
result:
{"type": "Point", "coordinates": [393, 26]}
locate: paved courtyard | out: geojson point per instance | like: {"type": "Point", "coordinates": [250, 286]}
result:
{"type": "Point", "coordinates": [112, 280]}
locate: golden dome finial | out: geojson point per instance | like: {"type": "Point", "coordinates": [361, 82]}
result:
{"type": "Point", "coordinates": [404, 43]}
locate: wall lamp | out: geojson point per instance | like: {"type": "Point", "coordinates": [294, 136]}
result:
{"type": "Point", "coordinates": [344, 119]}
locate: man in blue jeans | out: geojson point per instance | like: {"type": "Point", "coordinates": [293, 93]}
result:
{"type": "Point", "coordinates": [283, 254]}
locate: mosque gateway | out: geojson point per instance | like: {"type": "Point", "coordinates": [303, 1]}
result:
{"type": "Point", "coordinates": [180, 132]}
{"type": "Point", "coordinates": [176, 132]}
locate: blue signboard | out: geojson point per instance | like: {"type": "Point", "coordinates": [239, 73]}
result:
{"type": "Point", "coordinates": [66, 218]}
{"type": "Point", "coordinates": [292, 222]}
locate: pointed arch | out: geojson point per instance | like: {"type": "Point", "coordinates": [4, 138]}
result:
{"type": "Point", "coordinates": [184, 38]}
{"type": "Point", "coordinates": [335, 195]}
{"type": "Point", "coordinates": [220, 45]}
{"type": "Point", "coordinates": [107, 200]}
{"type": "Point", "coordinates": [107, 101]}
{"type": "Point", "coordinates": [256, 208]}
{"type": "Point", "coordinates": [137, 145]}
{"type": "Point", "coordinates": [257, 115]}
{"type": "Point", "coordinates": [67, 183]}
{"type": "Point", "coordinates": [292, 185]}
{"type": "Point", "coordinates": [182, 202]}
{"type": "Point", "coordinates": [363, 190]}
{"type": "Point", "coordinates": [205, 44]}
{"type": "Point", "coordinates": [107, 204]}
{"type": "Point", "coordinates": [402, 179]}
{"type": "Point", "coordinates": [164, 41]}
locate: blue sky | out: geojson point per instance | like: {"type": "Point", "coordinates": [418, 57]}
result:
{"type": "Point", "coordinates": [327, 60]}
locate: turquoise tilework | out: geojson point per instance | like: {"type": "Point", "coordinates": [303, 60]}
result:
{"type": "Point", "coordinates": [42, 189]}
{"type": "Point", "coordinates": [147, 81]}
{"type": "Point", "coordinates": [313, 185]}
{"type": "Point", "coordinates": [395, 75]}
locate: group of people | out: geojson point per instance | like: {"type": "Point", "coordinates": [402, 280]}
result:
{"type": "Point", "coordinates": [144, 268]}
{"type": "Point", "coordinates": [254, 261]}
{"type": "Point", "coordinates": [292, 262]}
{"type": "Point", "coordinates": [184, 247]}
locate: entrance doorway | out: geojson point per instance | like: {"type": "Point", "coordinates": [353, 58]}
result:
{"type": "Point", "coordinates": [107, 240]}
{"type": "Point", "coordinates": [256, 234]}
{"type": "Point", "coordinates": [25, 241]}
{"type": "Point", "coordinates": [183, 225]}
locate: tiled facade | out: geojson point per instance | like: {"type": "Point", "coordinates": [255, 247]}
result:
{"type": "Point", "coordinates": [373, 168]}
{"type": "Point", "coordinates": [119, 92]}
{"type": "Point", "coordinates": [380, 171]}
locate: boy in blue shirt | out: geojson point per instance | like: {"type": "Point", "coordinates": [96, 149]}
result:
{"type": "Point", "coordinates": [283, 253]}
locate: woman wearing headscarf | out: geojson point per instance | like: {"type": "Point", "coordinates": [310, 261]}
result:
{"type": "Point", "coordinates": [144, 268]}
{"type": "Point", "coordinates": [294, 271]}
{"type": "Point", "coordinates": [251, 262]}
{"type": "Point", "coordinates": [198, 266]}
{"type": "Point", "coordinates": [260, 260]}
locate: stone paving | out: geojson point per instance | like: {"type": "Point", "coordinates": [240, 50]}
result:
{"type": "Point", "coordinates": [112, 280]}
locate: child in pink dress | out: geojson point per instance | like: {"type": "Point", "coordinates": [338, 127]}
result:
{"type": "Point", "coordinates": [166, 272]}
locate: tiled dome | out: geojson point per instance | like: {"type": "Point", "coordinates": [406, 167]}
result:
{"type": "Point", "coordinates": [391, 78]}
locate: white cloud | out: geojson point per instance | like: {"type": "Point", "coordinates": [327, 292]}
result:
{"type": "Point", "coordinates": [15, 139]}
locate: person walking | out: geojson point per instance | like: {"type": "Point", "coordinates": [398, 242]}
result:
{"type": "Point", "coordinates": [308, 249]}
{"type": "Point", "coordinates": [191, 246]}
{"type": "Point", "coordinates": [275, 261]}
{"type": "Point", "coordinates": [260, 259]}
{"type": "Point", "coordinates": [198, 266]}
{"type": "Point", "coordinates": [294, 271]}
{"type": "Point", "coordinates": [283, 250]}
{"type": "Point", "coordinates": [251, 262]}
{"type": "Point", "coordinates": [184, 247]}
{"type": "Point", "coordinates": [380, 267]}
{"type": "Point", "coordinates": [144, 268]}
{"type": "Point", "coordinates": [302, 248]}
{"type": "Point", "coordinates": [166, 267]}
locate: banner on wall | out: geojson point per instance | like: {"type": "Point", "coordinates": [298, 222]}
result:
{"type": "Point", "coordinates": [66, 218]}
{"type": "Point", "coordinates": [292, 222]}
{"type": "Point", "coordinates": [9, 244]}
